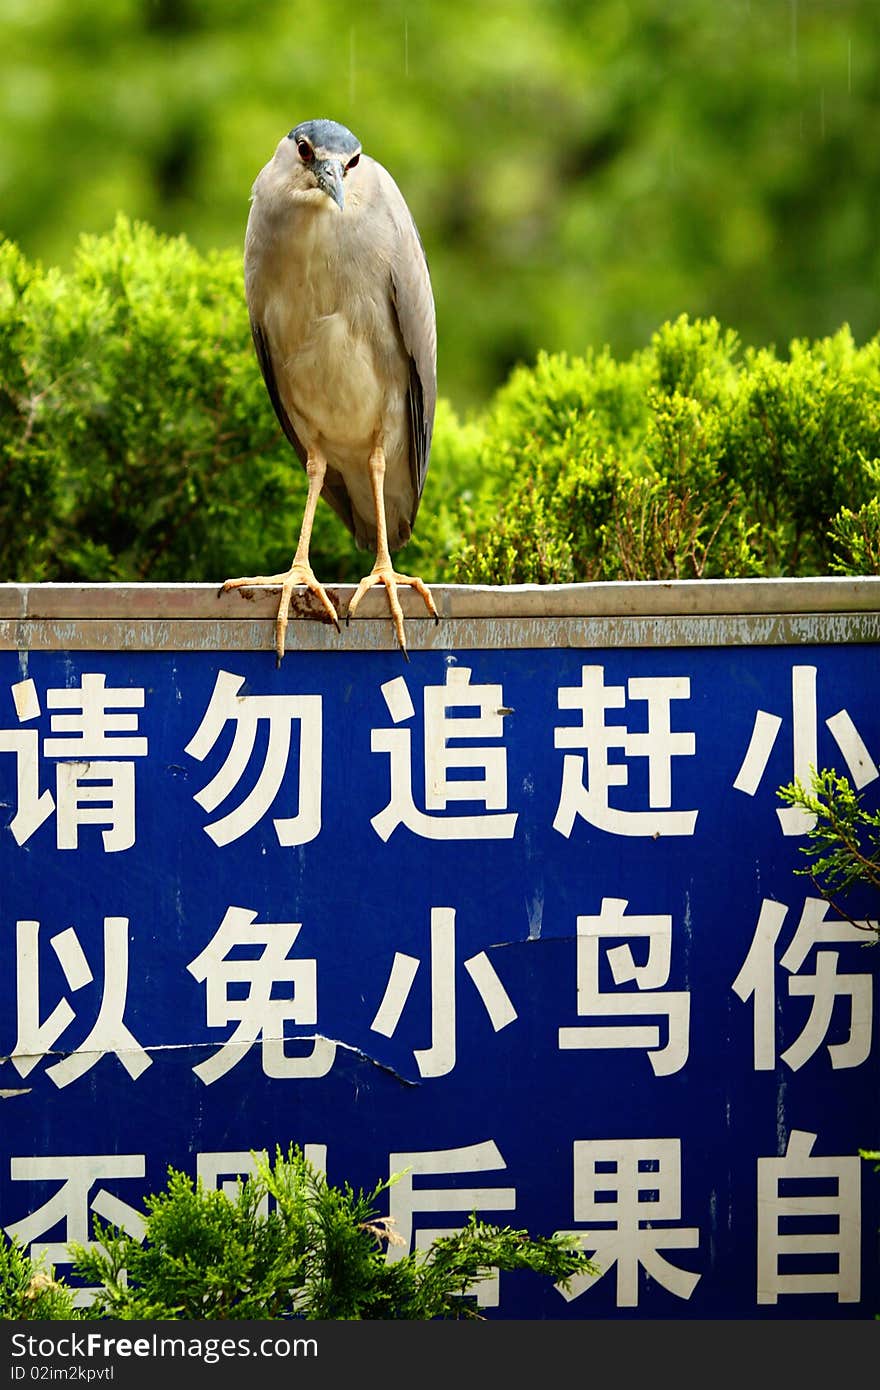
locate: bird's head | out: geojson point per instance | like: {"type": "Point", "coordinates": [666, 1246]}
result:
{"type": "Point", "coordinates": [318, 155]}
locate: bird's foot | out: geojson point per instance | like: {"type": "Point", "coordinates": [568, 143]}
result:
{"type": "Point", "coordinates": [297, 576]}
{"type": "Point", "coordinates": [384, 574]}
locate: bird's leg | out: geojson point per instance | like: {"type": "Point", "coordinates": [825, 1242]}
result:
{"type": "Point", "coordinates": [383, 571]}
{"type": "Point", "coordinates": [300, 571]}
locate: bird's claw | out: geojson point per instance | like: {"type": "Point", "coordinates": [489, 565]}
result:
{"type": "Point", "coordinates": [302, 576]}
{"type": "Point", "coordinates": [298, 576]}
{"type": "Point", "coordinates": [384, 574]}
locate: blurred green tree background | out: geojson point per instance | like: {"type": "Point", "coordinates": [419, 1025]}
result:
{"type": "Point", "coordinates": [580, 172]}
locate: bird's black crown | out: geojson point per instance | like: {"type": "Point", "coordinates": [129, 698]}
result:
{"type": "Point", "coordinates": [327, 135]}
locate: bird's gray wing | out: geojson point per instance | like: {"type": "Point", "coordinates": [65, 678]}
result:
{"type": "Point", "coordinates": [264, 357]}
{"type": "Point", "coordinates": [334, 490]}
{"type": "Point", "coordinates": [413, 303]}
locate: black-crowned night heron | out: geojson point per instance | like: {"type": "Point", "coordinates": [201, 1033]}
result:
{"type": "Point", "coordinates": [342, 317]}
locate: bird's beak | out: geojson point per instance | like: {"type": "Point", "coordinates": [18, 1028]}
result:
{"type": "Point", "coordinates": [329, 176]}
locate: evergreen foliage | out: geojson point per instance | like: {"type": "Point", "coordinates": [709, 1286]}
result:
{"type": "Point", "coordinates": [289, 1244]}
{"type": "Point", "coordinates": [137, 443]}
{"type": "Point", "coordinates": [843, 843]}
{"type": "Point", "coordinates": [843, 846]}
{"type": "Point", "coordinates": [28, 1291]}
{"type": "Point", "coordinates": [691, 459]}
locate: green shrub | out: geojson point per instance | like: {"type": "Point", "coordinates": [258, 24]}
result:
{"type": "Point", "coordinates": [800, 433]}
{"type": "Point", "coordinates": [317, 1251]}
{"type": "Point", "coordinates": [689, 460]}
{"type": "Point", "coordinates": [137, 442]}
{"type": "Point", "coordinates": [855, 535]}
{"type": "Point", "coordinates": [843, 845]}
{"type": "Point", "coordinates": [843, 842]}
{"type": "Point", "coordinates": [28, 1291]}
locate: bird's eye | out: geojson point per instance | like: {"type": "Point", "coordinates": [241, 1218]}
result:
{"type": "Point", "coordinates": [305, 152]}
{"type": "Point", "coordinates": [352, 162]}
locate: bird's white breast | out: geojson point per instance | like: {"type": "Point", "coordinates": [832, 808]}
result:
{"type": "Point", "coordinates": [304, 276]}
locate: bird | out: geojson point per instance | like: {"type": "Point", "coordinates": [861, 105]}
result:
{"type": "Point", "coordinates": [343, 322]}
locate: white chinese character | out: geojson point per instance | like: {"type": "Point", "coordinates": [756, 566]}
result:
{"type": "Point", "coordinates": [223, 1171]}
{"type": "Point", "coordinates": [93, 789]}
{"type": "Point", "coordinates": [258, 1014]}
{"type": "Point", "coordinates": [109, 1034]}
{"type": "Point", "coordinates": [591, 798]}
{"type": "Point", "coordinates": [593, 1002]}
{"type": "Point", "coordinates": [794, 1227]}
{"type": "Point", "coordinates": [795, 820]}
{"type": "Point", "coordinates": [489, 789]}
{"type": "Point", "coordinates": [439, 1058]}
{"type": "Point", "coordinates": [624, 1187]}
{"type": "Point", "coordinates": [32, 807]}
{"type": "Point", "coordinates": [404, 1200]}
{"type": "Point", "coordinates": [757, 980]}
{"type": "Point", "coordinates": [245, 712]}
{"type": "Point", "coordinates": [71, 1205]}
